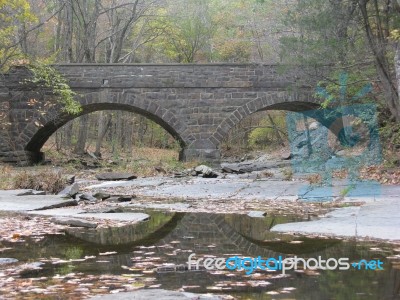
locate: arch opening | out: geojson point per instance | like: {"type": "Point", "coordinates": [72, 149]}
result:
{"type": "Point", "coordinates": [263, 128]}
{"type": "Point", "coordinates": [57, 122]}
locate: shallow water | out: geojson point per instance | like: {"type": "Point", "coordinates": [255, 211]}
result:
{"type": "Point", "coordinates": [169, 238]}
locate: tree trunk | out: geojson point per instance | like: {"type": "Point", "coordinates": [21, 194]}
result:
{"type": "Point", "coordinates": [397, 68]}
{"type": "Point", "coordinates": [276, 131]}
{"type": "Point", "coordinates": [68, 31]}
{"type": "Point", "coordinates": [378, 46]}
{"type": "Point", "coordinates": [68, 134]}
{"type": "Point", "coordinates": [104, 124]}
{"type": "Point", "coordinates": [82, 135]}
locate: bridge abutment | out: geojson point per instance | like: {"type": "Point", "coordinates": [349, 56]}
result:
{"type": "Point", "coordinates": [201, 150]}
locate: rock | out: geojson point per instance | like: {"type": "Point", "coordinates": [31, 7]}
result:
{"type": "Point", "coordinates": [125, 198]}
{"type": "Point", "coordinates": [70, 191]}
{"type": "Point", "coordinates": [257, 214]}
{"type": "Point", "coordinates": [74, 222]}
{"type": "Point", "coordinates": [70, 179]}
{"type": "Point", "coordinates": [341, 153]}
{"type": "Point", "coordinates": [253, 166]}
{"type": "Point", "coordinates": [232, 169]}
{"type": "Point", "coordinates": [31, 269]}
{"type": "Point", "coordinates": [286, 155]}
{"type": "Point", "coordinates": [312, 147]}
{"type": "Point", "coordinates": [115, 176]}
{"type": "Point", "coordinates": [87, 196]}
{"type": "Point", "coordinates": [65, 203]}
{"type": "Point", "coordinates": [101, 196]}
{"type": "Point", "coordinates": [121, 198]}
{"type": "Point", "coordinates": [205, 172]}
{"type": "Point", "coordinates": [5, 261]}
{"type": "Point", "coordinates": [32, 193]}
{"type": "Point", "coordinates": [160, 170]}
{"type": "Point", "coordinates": [179, 175]}
{"type": "Point", "coordinates": [313, 126]}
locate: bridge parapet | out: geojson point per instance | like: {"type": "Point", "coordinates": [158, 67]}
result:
{"type": "Point", "coordinates": [177, 76]}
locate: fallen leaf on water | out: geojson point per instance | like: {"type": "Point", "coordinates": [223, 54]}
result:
{"type": "Point", "coordinates": [108, 253]}
{"type": "Point", "coordinates": [375, 249]}
{"type": "Point", "coordinates": [214, 288]}
{"type": "Point", "coordinates": [311, 273]}
{"type": "Point", "coordinates": [190, 287]}
{"type": "Point", "coordinates": [272, 293]}
{"type": "Point", "coordinates": [154, 286]}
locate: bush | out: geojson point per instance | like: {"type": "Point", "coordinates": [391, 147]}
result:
{"type": "Point", "coordinates": [48, 181]}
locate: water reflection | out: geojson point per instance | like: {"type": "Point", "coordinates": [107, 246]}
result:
{"type": "Point", "coordinates": [158, 224]}
{"type": "Point", "coordinates": [171, 238]}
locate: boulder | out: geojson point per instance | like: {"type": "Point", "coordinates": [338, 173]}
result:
{"type": "Point", "coordinates": [252, 166]}
{"type": "Point", "coordinates": [232, 169]}
{"type": "Point", "coordinates": [314, 126]}
{"type": "Point", "coordinates": [205, 172]}
{"type": "Point", "coordinates": [179, 175]}
{"type": "Point", "coordinates": [301, 144]}
{"type": "Point", "coordinates": [125, 198]}
{"type": "Point", "coordinates": [87, 196]}
{"type": "Point", "coordinates": [115, 176]}
{"type": "Point", "coordinates": [70, 191]}
{"type": "Point", "coordinates": [70, 179]}
{"type": "Point", "coordinates": [101, 196]}
{"type": "Point", "coordinates": [286, 155]}
{"type": "Point", "coordinates": [31, 269]}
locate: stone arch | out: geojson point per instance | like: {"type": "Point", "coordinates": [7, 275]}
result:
{"type": "Point", "coordinates": [38, 131]}
{"type": "Point", "coordinates": [289, 101]}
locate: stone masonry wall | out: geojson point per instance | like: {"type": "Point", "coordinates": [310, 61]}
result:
{"type": "Point", "coordinates": [197, 104]}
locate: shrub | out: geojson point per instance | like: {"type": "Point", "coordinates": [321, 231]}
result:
{"type": "Point", "coordinates": [48, 181]}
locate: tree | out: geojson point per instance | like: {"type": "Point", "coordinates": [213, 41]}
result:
{"type": "Point", "coordinates": [188, 30]}
{"type": "Point", "coordinates": [13, 15]}
{"type": "Point", "coordinates": [379, 19]}
{"type": "Point", "coordinates": [329, 32]}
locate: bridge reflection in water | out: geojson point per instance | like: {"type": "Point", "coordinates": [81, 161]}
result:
{"type": "Point", "coordinates": [169, 238]}
{"type": "Point", "coordinates": [172, 237]}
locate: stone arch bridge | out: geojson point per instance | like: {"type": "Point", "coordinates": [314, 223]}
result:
{"type": "Point", "coordinates": [197, 104]}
